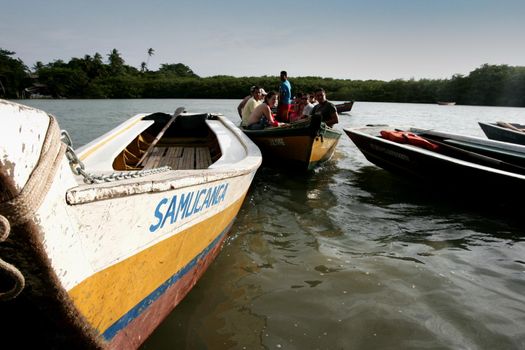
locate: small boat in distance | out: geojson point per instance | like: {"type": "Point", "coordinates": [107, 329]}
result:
{"type": "Point", "coordinates": [503, 131]}
{"type": "Point", "coordinates": [446, 103]}
{"type": "Point", "coordinates": [458, 162]}
{"type": "Point", "coordinates": [344, 107]}
{"type": "Point", "coordinates": [99, 244]}
{"type": "Point", "coordinates": [301, 145]}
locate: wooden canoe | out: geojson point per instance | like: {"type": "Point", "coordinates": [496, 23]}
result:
{"type": "Point", "coordinates": [98, 261]}
{"type": "Point", "coordinates": [463, 163]}
{"type": "Point", "coordinates": [344, 107]}
{"type": "Point", "coordinates": [301, 145]}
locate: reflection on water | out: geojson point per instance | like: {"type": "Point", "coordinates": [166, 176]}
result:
{"type": "Point", "coordinates": [351, 259]}
{"type": "Point", "coordinates": [348, 256]}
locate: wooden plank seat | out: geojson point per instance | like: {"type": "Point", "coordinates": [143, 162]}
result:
{"type": "Point", "coordinates": [203, 158]}
{"type": "Point", "coordinates": [155, 157]}
{"type": "Point", "coordinates": [178, 158]}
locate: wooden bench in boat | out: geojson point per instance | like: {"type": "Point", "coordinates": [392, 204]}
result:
{"type": "Point", "coordinates": [178, 158]}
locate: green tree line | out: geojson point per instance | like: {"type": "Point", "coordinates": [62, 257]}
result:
{"type": "Point", "coordinates": [96, 77]}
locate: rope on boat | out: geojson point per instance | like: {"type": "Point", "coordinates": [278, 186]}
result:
{"type": "Point", "coordinates": [21, 207]}
{"type": "Point", "coordinates": [10, 270]}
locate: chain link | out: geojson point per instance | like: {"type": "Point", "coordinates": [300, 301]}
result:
{"type": "Point", "coordinates": [78, 168]}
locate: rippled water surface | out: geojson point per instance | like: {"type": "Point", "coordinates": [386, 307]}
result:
{"type": "Point", "coordinates": [348, 256]}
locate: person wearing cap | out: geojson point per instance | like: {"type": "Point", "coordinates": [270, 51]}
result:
{"type": "Point", "coordinates": [254, 101]}
{"type": "Point", "coordinates": [244, 100]}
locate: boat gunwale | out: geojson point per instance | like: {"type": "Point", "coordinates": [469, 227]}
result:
{"type": "Point", "coordinates": [172, 179]}
{"type": "Point", "coordinates": [495, 126]}
{"type": "Point", "coordinates": [474, 139]}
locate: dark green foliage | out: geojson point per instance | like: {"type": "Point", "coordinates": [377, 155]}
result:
{"type": "Point", "coordinates": [14, 75]}
{"type": "Point", "coordinates": [176, 70]}
{"type": "Point", "coordinates": [90, 77]}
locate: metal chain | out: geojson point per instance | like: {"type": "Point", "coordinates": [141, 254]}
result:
{"type": "Point", "coordinates": [78, 168]}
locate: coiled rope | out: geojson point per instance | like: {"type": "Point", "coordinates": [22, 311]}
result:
{"type": "Point", "coordinates": [10, 270]}
{"type": "Point", "coordinates": [21, 207]}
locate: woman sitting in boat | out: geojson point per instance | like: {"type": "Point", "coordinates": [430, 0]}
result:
{"type": "Point", "coordinates": [262, 116]}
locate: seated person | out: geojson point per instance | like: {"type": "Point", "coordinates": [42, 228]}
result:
{"type": "Point", "coordinates": [325, 108]}
{"type": "Point", "coordinates": [262, 114]}
{"type": "Point", "coordinates": [307, 110]}
{"type": "Point", "coordinates": [300, 109]}
{"type": "Point", "coordinates": [244, 100]}
{"type": "Point", "coordinates": [254, 101]}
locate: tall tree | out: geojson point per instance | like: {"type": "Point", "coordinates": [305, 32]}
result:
{"type": "Point", "coordinates": [151, 52]}
{"type": "Point", "coordinates": [116, 62]}
{"type": "Point", "coordinates": [14, 75]}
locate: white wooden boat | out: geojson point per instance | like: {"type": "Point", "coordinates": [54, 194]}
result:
{"type": "Point", "coordinates": [99, 259]}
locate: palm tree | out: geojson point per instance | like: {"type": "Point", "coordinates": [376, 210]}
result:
{"type": "Point", "coordinates": [150, 53]}
{"type": "Point", "coordinates": [143, 67]}
{"type": "Point", "coordinates": [116, 63]}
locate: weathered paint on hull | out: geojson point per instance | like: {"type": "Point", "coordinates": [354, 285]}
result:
{"type": "Point", "coordinates": [137, 330]}
{"type": "Point", "coordinates": [102, 296]}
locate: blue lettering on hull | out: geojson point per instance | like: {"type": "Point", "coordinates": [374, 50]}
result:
{"type": "Point", "coordinates": [170, 210]}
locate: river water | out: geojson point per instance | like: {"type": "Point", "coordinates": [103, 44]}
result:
{"type": "Point", "coordinates": [348, 256]}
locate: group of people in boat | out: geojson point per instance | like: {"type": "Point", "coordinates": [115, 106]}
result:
{"type": "Point", "coordinates": [263, 109]}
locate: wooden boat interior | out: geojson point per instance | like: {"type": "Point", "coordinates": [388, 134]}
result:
{"type": "Point", "coordinates": [188, 143]}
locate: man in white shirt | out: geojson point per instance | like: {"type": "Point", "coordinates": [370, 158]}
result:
{"type": "Point", "coordinates": [307, 110]}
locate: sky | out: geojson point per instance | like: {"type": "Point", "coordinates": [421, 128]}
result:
{"type": "Point", "coordinates": [344, 39]}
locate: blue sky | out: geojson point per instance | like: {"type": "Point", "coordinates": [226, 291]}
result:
{"type": "Point", "coordinates": [374, 39]}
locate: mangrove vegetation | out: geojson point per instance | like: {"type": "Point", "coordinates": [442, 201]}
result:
{"type": "Point", "coordinates": [97, 76]}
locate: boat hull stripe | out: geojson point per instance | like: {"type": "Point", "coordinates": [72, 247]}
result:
{"type": "Point", "coordinates": [157, 293]}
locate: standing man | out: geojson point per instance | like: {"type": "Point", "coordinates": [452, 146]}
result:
{"type": "Point", "coordinates": [325, 108]}
{"type": "Point", "coordinates": [285, 98]}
